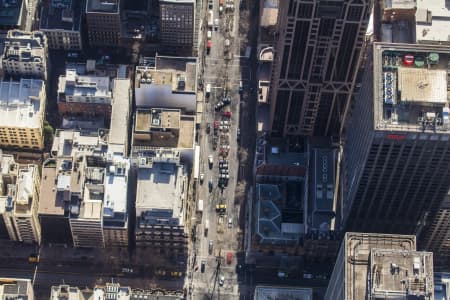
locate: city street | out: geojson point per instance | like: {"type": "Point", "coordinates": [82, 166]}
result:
{"type": "Point", "coordinates": [219, 234]}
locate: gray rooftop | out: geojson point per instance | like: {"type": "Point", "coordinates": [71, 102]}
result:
{"type": "Point", "coordinates": [103, 6]}
{"type": "Point", "coordinates": [282, 293]}
{"type": "Point", "coordinates": [411, 95]}
{"type": "Point", "coordinates": [11, 12]}
{"type": "Point", "coordinates": [62, 15]}
{"type": "Point", "coordinates": [15, 288]}
{"type": "Point", "coordinates": [160, 188]}
{"type": "Point", "coordinates": [395, 274]}
{"type": "Point", "coordinates": [120, 114]}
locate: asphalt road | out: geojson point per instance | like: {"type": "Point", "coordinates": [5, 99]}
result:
{"type": "Point", "coordinates": [223, 69]}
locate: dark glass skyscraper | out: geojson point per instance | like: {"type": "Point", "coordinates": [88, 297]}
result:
{"type": "Point", "coordinates": [317, 55]}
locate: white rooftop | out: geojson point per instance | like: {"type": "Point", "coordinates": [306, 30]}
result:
{"type": "Point", "coordinates": [116, 182]}
{"type": "Point", "coordinates": [432, 20]}
{"type": "Point", "coordinates": [118, 133]}
{"type": "Point", "coordinates": [160, 187]}
{"type": "Point", "coordinates": [67, 142]}
{"type": "Point", "coordinates": [75, 85]}
{"type": "Point", "coordinates": [21, 104]}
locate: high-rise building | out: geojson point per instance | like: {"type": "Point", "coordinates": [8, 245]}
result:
{"type": "Point", "coordinates": [103, 22]}
{"type": "Point", "coordinates": [381, 266]}
{"type": "Point", "coordinates": [317, 53]}
{"type": "Point", "coordinates": [397, 150]}
{"type": "Point", "coordinates": [22, 107]}
{"type": "Point", "coordinates": [25, 54]}
{"type": "Point", "coordinates": [61, 22]}
{"type": "Point", "coordinates": [177, 25]}
{"type": "Point", "coordinates": [13, 14]}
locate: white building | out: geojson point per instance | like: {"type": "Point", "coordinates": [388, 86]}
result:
{"type": "Point", "coordinates": [120, 116]}
{"type": "Point", "coordinates": [115, 218]}
{"type": "Point", "coordinates": [20, 201]}
{"type": "Point", "coordinates": [25, 54]}
{"type": "Point", "coordinates": [22, 107]}
{"type": "Point", "coordinates": [13, 288]}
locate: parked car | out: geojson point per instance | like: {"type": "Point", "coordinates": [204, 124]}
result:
{"type": "Point", "coordinates": [202, 178]}
{"type": "Point", "coordinates": [210, 161]}
{"type": "Point", "coordinates": [210, 185]}
{"type": "Point", "coordinates": [210, 246]}
{"type": "Point", "coordinates": [230, 222]}
{"type": "Point", "coordinates": [221, 280]}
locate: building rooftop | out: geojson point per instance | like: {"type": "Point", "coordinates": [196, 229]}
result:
{"type": "Point", "coordinates": [159, 127]}
{"type": "Point", "coordinates": [161, 187]}
{"type": "Point", "coordinates": [269, 15]}
{"type": "Point", "coordinates": [282, 293]}
{"type": "Point", "coordinates": [11, 13]}
{"type": "Point", "coordinates": [411, 88]}
{"type": "Point", "coordinates": [120, 114]}
{"type": "Point", "coordinates": [22, 103]}
{"type": "Point", "coordinates": [15, 289]}
{"type": "Point", "coordinates": [397, 274]}
{"type": "Point", "coordinates": [103, 6]}
{"type": "Point", "coordinates": [25, 190]}
{"type": "Point", "coordinates": [432, 21]}
{"type": "Point", "coordinates": [116, 189]}
{"type": "Point", "coordinates": [51, 200]}
{"type": "Point", "coordinates": [25, 46]}
{"type": "Point", "coordinates": [441, 286]}
{"type": "Point", "coordinates": [69, 142]}
{"type": "Point", "coordinates": [74, 85]}
{"type": "Point", "coordinates": [170, 82]}
{"type": "Point", "coordinates": [280, 212]}
{"type": "Point", "coordinates": [61, 15]}
{"type": "Point", "coordinates": [323, 163]}
{"type": "Point", "coordinates": [357, 249]}
{"type": "Point", "coordinates": [66, 292]}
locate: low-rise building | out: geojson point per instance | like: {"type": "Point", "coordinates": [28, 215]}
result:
{"type": "Point", "coordinates": [13, 288]}
{"type": "Point", "coordinates": [115, 217]}
{"type": "Point", "coordinates": [22, 106]}
{"type": "Point", "coordinates": [19, 201]}
{"type": "Point", "coordinates": [61, 22]}
{"type": "Point", "coordinates": [161, 203]}
{"type": "Point", "coordinates": [120, 117]}
{"type": "Point", "coordinates": [25, 54]}
{"type": "Point", "coordinates": [84, 94]}
{"type": "Point", "coordinates": [64, 292]}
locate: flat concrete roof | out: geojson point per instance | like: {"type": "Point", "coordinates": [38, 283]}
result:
{"type": "Point", "coordinates": [61, 18]}
{"type": "Point", "coordinates": [160, 187]}
{"type": "Point", "coordinates": [282, 293]}
{"type": "Point", "coordinates": [11, 12]}
{"type": "Point", "coordinates": [21, 104]}
{"type": "Point", "coordinates": [432, 21]}
{"type": "Point", "coordinates": [120, 113]}
{"type": "Point", "coordinates": [103, 6]}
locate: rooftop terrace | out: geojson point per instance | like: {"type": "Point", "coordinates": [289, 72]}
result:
{"type": "Point", "coordinates": [411, 87]}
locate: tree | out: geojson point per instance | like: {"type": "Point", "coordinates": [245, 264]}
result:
{"type": "Point", "coordinates": [48, 135]}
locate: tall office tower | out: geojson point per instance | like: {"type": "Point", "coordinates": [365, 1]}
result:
{"type": "Point", "coordinates": [103, 22]}
{"type": "Point", "coordinates": [397, 150]}
{"type": "Point", "coordinates": [317, 54]}
{"type": "Point", "coordinates": [381, 266]}
{"type": "Point", "coordinates": [177, 25]}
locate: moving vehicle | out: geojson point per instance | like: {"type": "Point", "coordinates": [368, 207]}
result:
{"type": "Point", "coordinates": [209, 34]}
{"type": "Point", "coordinates": [229, 257]}
{"type": "Point", "coordinates": [206, 228]}
{"type": "Point", "coordinates": [221, 280]}
{"type": "Point", "coordinates": [241, 86]}
{"type": "Point", "coordinates": [210, 161]}
{"type": "Point", "coordinates": [202, 266]}
{"type": "Point", "coordinates": [208, 47]}
{"type": "Point", "coordinates": [216, 24]}
{"type": "Point", "coordinates": [210, 246]}
{"type": "Point", "coordinates": [210, 18]}
{"type": "Point", "coordinates": [208, 89]}
{"type": "Point", "coordinates": [33, 258]}
{"type": "Point", "coordinates": [202, 178]}
{"type": "Point", "coordinates": [230, 222]}
{"type": "Point", "coordinates": [210, 185]}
